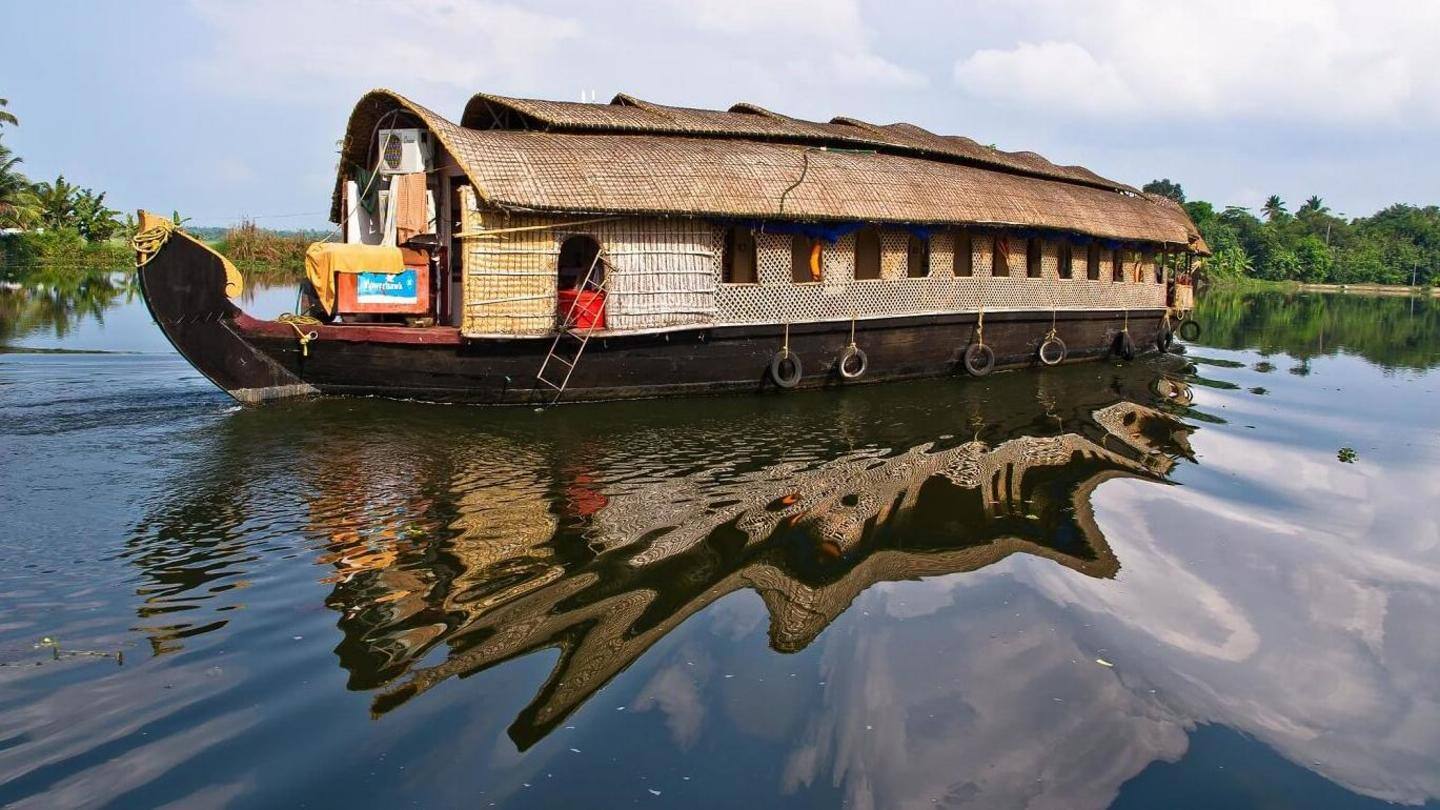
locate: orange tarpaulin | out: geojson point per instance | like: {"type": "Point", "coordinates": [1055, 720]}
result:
{"type": "Point", "coordinates": [324, 259]}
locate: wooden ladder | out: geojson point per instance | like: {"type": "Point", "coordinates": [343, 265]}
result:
{"type": "Point", "coordinates": [570, 337]}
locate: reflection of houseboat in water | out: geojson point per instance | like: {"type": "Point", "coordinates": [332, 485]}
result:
{"type": "Point", "coordinates": [600, 251]}
{"type": "Point", "coordinates": [807, 537]}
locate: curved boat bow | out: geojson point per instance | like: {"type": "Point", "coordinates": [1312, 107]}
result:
{"type": "Point", "coordinates": [187, 287]}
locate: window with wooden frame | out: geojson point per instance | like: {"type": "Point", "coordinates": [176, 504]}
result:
{"type": "Point", "coordinates": [867, 253]}
{"type": "Point", "coordinates": [999, 255]}
{"type": "Point", "coordinates": [917, 257]}
{"type": "Point", "coordinates": [807, 258]}
{"type": "Point", "coordinates": [964, 259]}
{"type": "Point", "coordinates": [1117, 265]}
{"type": "Point", "coordinates": [737, 260]}
{"type": "Point", "coordinates": [1034, 252]}
{"type": "Point", "coordinates": [1065, 260]}
{"type": "Point", "coordinates": [1092, 261]}
{"type": "Point", "coordinates": [1161, 260]}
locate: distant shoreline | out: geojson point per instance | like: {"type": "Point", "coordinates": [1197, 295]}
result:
{"type": "Point", "coordinates": [1371, 289]}
{"type": "Point", "coordinates": [1344, 289]}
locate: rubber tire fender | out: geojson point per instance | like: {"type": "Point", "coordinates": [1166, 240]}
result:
{"type": "Point", "coordinates": [777, 369]}
{"type": "Point", "coordinates": [1125, 346]}
{"type": "Point", "coordinates": [979, 360]}
{"type": "Point", "coordinates": [1189, 330]}
{"type": "Point", "coordinates": [1164, 337]}
{"type": "Point", "coordinates": [852, 352]}
{"type": "Point", "coordinates": [1052, 341]}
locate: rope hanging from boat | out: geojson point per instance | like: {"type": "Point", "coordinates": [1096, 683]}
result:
{"type": "Point", "coordinates": [297, 322]}
{"type": "Point", "coordinates": [804, 170]}
{"type": "Point", "coordinates": [147, 243]}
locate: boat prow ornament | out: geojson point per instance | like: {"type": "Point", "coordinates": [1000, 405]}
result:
{"type": "Point", "coordinates": [153, 231]}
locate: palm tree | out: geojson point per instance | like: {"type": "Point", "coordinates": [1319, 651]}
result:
{"type": "Point", "coordinates": [7, 117]}
{"type": "Point", "coordinates": [1314, 205]}
{"type": "Point", "coordinates": [1274, 208]}
{"type": "Point", "coordinates": [18, 206]}
{"type": "Point", "coordinates": [57, 202]}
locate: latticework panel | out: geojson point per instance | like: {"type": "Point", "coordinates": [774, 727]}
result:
{"type": "Point", "coordinates": [796, 303]}
{"type": "Point", "coordinates": [772, 257]}
{"type": "Point", "coordinates": [1018, 267]}
{"type": "Point", "coordinates": [839, 261]}
{"type": "Point", "coordinates": [894, 254]}
{"type": "Point", "coordinates": [942, 254]}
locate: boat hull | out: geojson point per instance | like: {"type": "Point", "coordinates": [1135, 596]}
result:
{"type": "Point", "coordinates": [256, 360]}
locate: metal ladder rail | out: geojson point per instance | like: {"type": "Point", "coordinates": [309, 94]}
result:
{"type": "Point", "coordinates": [567, 330]}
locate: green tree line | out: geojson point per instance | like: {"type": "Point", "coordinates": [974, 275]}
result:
{"type": "Point", "coordinates": [1398, 245]}
{"type": "Point", "coordinates": [58, 205]}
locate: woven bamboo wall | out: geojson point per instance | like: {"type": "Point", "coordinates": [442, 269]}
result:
{"type": "Point", "coordinates": [666, 272]}
{"type": "Point", "coordinates": [663, 271]}
{"type": "Point", "coordinates": [509, 280]}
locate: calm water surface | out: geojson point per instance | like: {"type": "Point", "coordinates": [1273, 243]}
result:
{"type": "Point", "coordinates": [1153, 585]}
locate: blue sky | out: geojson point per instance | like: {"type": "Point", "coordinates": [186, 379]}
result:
{"type": "Point", "coordinates": [224, 109]}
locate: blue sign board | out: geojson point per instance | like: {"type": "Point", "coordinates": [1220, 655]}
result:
{"type": "Point", "coordinates": [379, 288]}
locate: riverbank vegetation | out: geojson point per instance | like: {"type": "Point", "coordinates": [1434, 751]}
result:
{"type": "Point", "coordinates": [61, 227]}
{"type": "Point", "coordinates": [271, 254]}
{"type": "Point", "coordinates": [1314, 245]}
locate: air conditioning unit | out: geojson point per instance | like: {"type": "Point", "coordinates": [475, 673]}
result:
{"type": "Point", "coordinates": [403, 151]}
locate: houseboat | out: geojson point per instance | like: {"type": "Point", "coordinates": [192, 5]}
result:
{"type": "Point", "coordinates": [540, 250]}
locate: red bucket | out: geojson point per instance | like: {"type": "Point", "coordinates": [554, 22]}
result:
{"type": "Point", "coordinates": [589, 308]}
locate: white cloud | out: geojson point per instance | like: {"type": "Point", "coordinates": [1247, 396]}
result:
{"type": "Point", "coordinates": [812, 41]}
{"type": "Point", "coordinates": [1048, 73]}
{"type": "Point", "coordinates": [1352, 62]}
{"type": "Point", "coordinates": [299, 49]}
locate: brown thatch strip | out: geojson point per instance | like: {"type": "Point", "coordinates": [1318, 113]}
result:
{"type": "Point", "coordinates": [695, 176]}
{"type": "Point", "coordinates": [393, 110]}
{"type": "Point", "coordinates": [627, 114]}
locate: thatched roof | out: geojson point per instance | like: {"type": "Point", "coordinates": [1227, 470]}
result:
{"type": "Point", "coordinates": [630, 157]}
{"type": "Point", "coordinates": [627, 114]}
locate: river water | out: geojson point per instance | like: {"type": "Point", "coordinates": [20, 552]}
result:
{"type": "Point", "coordinates": [1209, 580]}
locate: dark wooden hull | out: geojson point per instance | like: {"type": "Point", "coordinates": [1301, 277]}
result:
{"type": "Point", "coordinates": [258, 360]}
